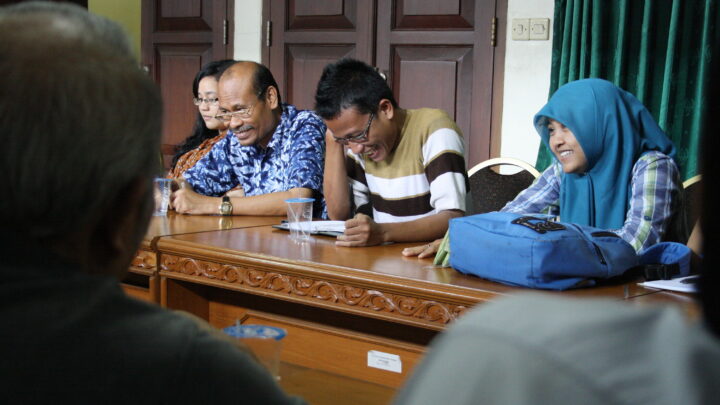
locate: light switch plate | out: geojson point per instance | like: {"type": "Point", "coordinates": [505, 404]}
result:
{"type": "Point", "coordinates": [539, 29]}
{"type": "Point", "coordinates": [520, 29]}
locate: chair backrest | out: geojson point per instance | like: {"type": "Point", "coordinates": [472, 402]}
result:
{"type": "Point", "coordinates": [490, 190]}
{"type": "Point", "coordinates": [688, 212]}
{"type": "Point", "coordinates": [691, 200]}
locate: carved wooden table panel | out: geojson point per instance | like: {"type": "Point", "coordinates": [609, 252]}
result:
{"type": "Point", "coordinates": [368, 294]}
{"type": "Point", "coordinates": [143, 281]}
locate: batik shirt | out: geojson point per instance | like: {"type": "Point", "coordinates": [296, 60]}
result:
{"type": "Point", "coordinates": [653, 201]}
{"type": "Point", "coordinates": [293, 158]}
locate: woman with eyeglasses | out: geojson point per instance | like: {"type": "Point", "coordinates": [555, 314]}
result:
{"type": "Point", "coordinates": [208, 130]}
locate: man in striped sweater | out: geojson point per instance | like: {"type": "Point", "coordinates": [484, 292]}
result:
{"type": "Point", "coordinates": [395, 175]}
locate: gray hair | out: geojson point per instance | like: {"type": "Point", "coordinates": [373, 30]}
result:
{"type": "Point", "coordinates": [71, 22]}
{"type": "Point", "coordinates": [80, 122]}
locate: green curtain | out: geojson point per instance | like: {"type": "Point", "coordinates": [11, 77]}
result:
{"type": "Point", "coordinates": [659, 50]}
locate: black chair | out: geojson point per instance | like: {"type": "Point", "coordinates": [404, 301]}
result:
{"type": "Point", "coordinates": [491, 190]}
{"type": "Point", "coordinates": [688, 211]}
{"type": "Point", "coordinates": [691, 200]}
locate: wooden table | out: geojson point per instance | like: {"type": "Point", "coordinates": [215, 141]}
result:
{"type": "Point", "coordinates": [338, 304]}
{"type": "Point", "coordinates": [142, 280]}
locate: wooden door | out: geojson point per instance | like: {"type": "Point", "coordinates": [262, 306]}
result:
{"type": "Point", "coordinates": [178, 37]}
{"type": "Point", "coordinates": [436, 53]}
{"type": "Point", "coordinates": [439, 54]}
{"type": "Point", "coordinates": [306, 35]}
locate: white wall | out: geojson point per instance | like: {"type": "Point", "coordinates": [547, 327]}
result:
{"type": "Point", "coordinates": [527, 70]}
{"type": "Point", "coordinates": [248, 30]}
{"type": "Point", "coordinates": [527, 82]}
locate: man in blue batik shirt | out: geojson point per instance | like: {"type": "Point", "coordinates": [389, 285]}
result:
{"type": "Point", "coordinates": [273, 151]}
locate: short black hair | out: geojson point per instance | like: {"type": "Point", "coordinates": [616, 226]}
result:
{"type": "Point", "coordinates": [263, 79]}
{"type": "Point", "coordinates": [350, 83]}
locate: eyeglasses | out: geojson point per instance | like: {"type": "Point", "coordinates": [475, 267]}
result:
{"type": "Point", "coordinates": [243, 113]}
{"type": "Point", "coordinates": [209, 101]}
{"type": "Point", "coordinates": [361, 137]}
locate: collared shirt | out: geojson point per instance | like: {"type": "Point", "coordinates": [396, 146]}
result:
{"type": "Point", "coordinates": [655, 179]}
{"type": "Point", "coordinates": [293, 158]}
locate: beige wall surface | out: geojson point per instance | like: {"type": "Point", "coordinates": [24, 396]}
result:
{"type": "Point", "coordinates": [124, 12]}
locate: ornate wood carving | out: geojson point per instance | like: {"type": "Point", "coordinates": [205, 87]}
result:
{"type": "Point", "coordinates": [341, 295]}
{"type": "Point", "coordinates": [144, 260]}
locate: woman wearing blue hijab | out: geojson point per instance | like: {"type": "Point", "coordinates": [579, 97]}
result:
{"type": "Point", "coordinates": [613, 167]}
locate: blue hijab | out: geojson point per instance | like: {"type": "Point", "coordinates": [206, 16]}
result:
{"type": "Point", "coordinates": [614, 129]}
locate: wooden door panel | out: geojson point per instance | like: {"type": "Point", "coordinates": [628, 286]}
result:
{"type": "Point", "coordinates": [316, 8]}
{"type": "Point", "coordinates": [304, 67]}
{"type": "Point", "coordinates": [313, 14]}
{"type": "Point", "coordinates": [420, 14]}
{"type": "Point", "coordinates": [181, 15]}
{"type": "Point", "coordinates": [415, 38]}
{"type": "Point", "coordinates": [451, 71]}
{"type": "Point", "coordinates": [178, 117]}
{"type": "Point", "coordinates": [309, 34]}
{"type": "Point", "coordinates": [178, 37]}
{"type": "Point", "coordinates": [434, 53]}
{"type": "Point", "coordinates": [180, 8]}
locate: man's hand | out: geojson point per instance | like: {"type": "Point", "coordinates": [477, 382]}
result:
{"type": "Point", "coordinates": [186, 201]}
{"type": "Point", "coordinates": [361, 231]}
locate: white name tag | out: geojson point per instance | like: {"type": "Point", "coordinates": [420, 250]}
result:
{"type": "Point", "coordinates": [384, 361]}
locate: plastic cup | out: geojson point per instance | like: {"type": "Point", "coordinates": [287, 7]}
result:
{"type": "Point", "coordinates": [299, 214]}
{"type": "Point", "coordinates": [264, 341]}
{"type": "Point", "coordinates": [162, 196]}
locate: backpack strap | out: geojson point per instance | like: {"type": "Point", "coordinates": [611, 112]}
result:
{"type": "Point", "coordinates": [665, 260]}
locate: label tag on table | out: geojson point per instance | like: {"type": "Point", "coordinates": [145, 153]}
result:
{"type": "Point", "coordinates": [384, 361]}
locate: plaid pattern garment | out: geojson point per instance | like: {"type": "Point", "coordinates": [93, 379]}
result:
{"type": "Point", "coordinates": [654, 189]}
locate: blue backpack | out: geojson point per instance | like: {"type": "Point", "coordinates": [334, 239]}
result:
{"type": "Point", "coordinates": [533, 252]}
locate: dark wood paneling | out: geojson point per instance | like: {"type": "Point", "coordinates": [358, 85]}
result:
{"type": "Point", "coordinates": [402, 44]}
{"type": "Point", "coordinates": [309, 34]}
{"type": "Point", "coordinates": [180, 8]}
{"type": "Point", "coordinates": [328, 15]}
{"type": "Point", "coordinates": [179, 15]}
{"type": "Point", "coordinates": [316, 8]}
{"type": "Point", "coordinates": [451, 71]}
{"type": "Point", "coordinates": [178, 37]}
{"type": "Point", "coordinates": [448, 14]}
{"type": "Point", "coordinates": [176, 61]}
{"type": "Point", "coordinates": [435, 54]}
{"type": "Point", "coordinates": [304, 67]}
{"type": "Point", "coordinates": [422, 7]}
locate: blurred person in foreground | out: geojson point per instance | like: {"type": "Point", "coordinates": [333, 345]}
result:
{"type": "Point", "coordinates": [81, 133]}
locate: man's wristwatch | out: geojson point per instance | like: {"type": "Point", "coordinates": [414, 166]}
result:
{"type": "Point", "coordinates": [226, 206]}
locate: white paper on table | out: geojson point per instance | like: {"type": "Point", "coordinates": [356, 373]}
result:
{"type": "Point", "coordinates": [322, 227]}
{"type": "Point", "coordinates": [675, 284]}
